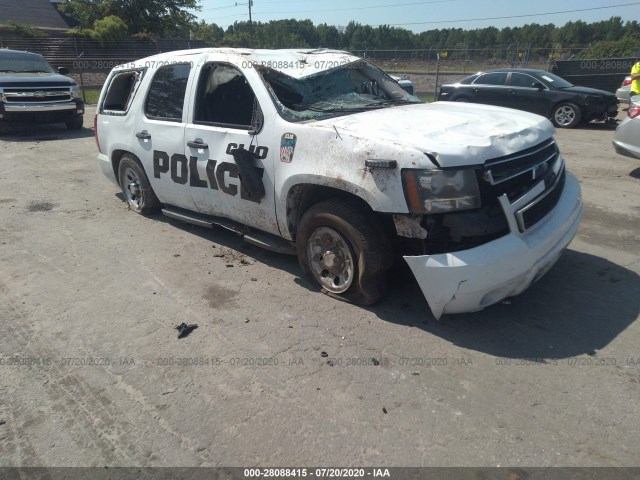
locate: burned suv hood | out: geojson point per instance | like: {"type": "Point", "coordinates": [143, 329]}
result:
{"type": "Point", "coordinates": [455, 134]}
{"type": "Point", "coordinates": [27, 79]}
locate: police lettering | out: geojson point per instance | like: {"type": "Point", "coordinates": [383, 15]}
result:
{"type": "Point", "coordinates": [260, 152]}
{"type": "Point", "coordinates": [185, 170]}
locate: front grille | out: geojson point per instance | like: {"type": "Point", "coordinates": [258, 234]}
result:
{"type": "Point", "coordinates": [533, 213]}
{"type": "Point", "coordinates": [503, 169]}
{"type": "Point", "coordinates": [37, 95]}
{"type": "Point", "coordinates": [519, 177]}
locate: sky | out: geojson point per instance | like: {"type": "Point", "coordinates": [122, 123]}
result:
{"type": "Point", "coordinates": [419, 15]}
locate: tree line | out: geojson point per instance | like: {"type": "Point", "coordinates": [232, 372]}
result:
{"type": "Point", "coordinates": [119, 19]}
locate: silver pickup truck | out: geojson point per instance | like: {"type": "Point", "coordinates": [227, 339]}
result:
{"type": "Point", "coordinates": [32, 92]}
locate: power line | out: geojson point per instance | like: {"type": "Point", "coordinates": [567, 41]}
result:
{"type": "Point", "coordinates": [439, 21]}
{"type": "Point", "coordinates": [513, 16]}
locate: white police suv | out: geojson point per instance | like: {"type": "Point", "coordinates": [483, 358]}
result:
{"type": "Point", "coordinates": [321, 154]}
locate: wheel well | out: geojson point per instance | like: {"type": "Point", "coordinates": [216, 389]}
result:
{"type": "Point", "coordinates": [116, 156]}
{"type": "Point", "coordinates": [302, 197]}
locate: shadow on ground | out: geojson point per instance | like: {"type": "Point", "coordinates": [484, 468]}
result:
{"type": "Point", "coordinates": [41, 133]}
{"type": "Point", "coordinates": [578, 308]}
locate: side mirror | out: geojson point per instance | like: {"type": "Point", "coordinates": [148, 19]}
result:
{"type": "Point", "coordinates": [63, 70]}
{"type": "Point", "coordinates": [538, 85]}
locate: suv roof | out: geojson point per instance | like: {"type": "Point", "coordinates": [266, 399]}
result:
{"type": "Point", "coordinates": [297, 63]}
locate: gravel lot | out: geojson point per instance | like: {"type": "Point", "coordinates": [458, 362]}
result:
{"type": "Point", "coordinates": [90, 294]}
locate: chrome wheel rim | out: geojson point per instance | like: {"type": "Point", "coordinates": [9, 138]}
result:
{"type": "Point", "coordinates": [132, 189]}
{"type": "Point", "coordinates": [565, 115]}
{"type": "Point", "coordinates": [330, 259]}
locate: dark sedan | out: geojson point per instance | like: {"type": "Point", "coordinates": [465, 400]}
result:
{"type": "Point", "coordinates": [534, 91]}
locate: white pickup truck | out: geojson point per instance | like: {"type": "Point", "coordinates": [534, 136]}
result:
{"type": "Point", "coordinates": [321, 154]}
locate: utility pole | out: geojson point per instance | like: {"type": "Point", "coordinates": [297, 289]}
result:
{"type": "Point", "coordinates": [250, 4]}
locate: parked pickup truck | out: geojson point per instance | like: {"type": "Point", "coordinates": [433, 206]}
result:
{"type": "Point", "coordinates": [321, 154]}
{"type": "Point", "coordinates": [32, 92]}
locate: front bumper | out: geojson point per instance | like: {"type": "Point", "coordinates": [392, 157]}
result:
{"type": "Point", "coordinates": [58, 112]}
{"type": "Point", "coordinates": [473, 279]}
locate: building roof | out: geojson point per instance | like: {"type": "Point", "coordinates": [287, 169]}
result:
{"type": "Point", "coordinates": [35, 13]}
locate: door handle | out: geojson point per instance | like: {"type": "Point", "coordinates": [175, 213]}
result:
{"type": "Point", "coordinates": [143, 135]}
{"type": "Point", "coordinates": [511, 90]}
{"type": "Point", "coordinates": [198, 145]}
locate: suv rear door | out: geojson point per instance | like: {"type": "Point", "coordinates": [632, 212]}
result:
{"type": "Point", "coordinates": [158, 134]}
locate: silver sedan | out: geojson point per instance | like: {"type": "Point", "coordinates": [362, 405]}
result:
{"type": "Point", "coordinates": [625, 89]}
{"type": "Point", "coordinates": [626, 140]}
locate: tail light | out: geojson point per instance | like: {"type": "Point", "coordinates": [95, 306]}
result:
{"type": "Point", "coordinates": [627, 81]}
{"type": "Point", "coordinates": [95, 131]}
{"type": "Point", "coordinates": [634, 111]}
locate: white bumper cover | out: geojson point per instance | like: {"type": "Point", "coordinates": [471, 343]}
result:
{"type": "Point", "coordinates": [107, 168]}
{"type": "Point", "coordinates": [472, 279]}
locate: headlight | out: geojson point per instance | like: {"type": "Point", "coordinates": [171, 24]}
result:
{"type": "Point", "coordinates": [75, 91]}
{"type": "Point", "coordinates": [440, 191]}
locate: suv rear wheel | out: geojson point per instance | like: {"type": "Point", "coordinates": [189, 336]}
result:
{"type": "Point", "coordinates": [135, 186]}
{"type": "Point", "coordinates": [345, 251]}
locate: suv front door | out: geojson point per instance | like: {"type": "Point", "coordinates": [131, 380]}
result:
{"type": "Point", "coordinates": [524, 96]}
{"type": "Point", "coordinates": [231, 166]}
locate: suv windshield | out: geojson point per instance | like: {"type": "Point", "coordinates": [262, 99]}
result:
{"type": "Point", "coordinates": [351, 88]}
{"type": "Point", "coordinates": [23, 63]}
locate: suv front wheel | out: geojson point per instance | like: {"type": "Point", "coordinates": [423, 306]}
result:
{"type": "Point", "coordinates": [345, 251]}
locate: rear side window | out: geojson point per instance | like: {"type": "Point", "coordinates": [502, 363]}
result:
{"type": "Point", "coordinates": [495, 78]}
{"type": "Point", "coordinates": [166, 94]}
{"type": "Point", "coordinates": [121, 91]}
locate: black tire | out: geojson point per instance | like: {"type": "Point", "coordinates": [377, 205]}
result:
{"type": "Point", "coordinates": [368, 251]}
{"type": "Point", "coordinates": [75, 124]}
{"type": "Point", "coordinates": [566, 115]}
{"type": "Point", "coordinates": [135, 186]}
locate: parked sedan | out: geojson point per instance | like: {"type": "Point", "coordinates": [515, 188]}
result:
{"type": "Point", "coordinates": [623, 92]}
{"type": "Point", "coordinates": [534, 91]}
{"type": "Point", "coordinates": [626, 140]}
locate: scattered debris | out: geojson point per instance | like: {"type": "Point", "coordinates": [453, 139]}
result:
{"type": "Point", "coordinates": [384, 410]}
{"type": "Point", "coordinates": [176, 255]}
{"type": "Point", "coordinates": [246, 320]}
{"type": "Point", "coordinates": [230, 265]}
{"type": "Point", "coordinates": [3, 422]}
{"type": "Point", "coordinates": [375, 361]}
{"type": "Point", "coordinates": [330, 363]}
{"type": "Point", "coordinates": [415, 373]}
{"type": "Point", "coordinates": [254, 279]}
{"type": "Point", "coordinates": [324, 354]}
{"type": "Point", "coordinates": [185, 330]}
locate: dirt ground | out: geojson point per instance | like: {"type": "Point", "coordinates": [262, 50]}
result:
{"type": "Point", "coordinates": [92, 372]}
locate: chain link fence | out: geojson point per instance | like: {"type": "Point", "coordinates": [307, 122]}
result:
{"type": "Point", "coordinates": [90, 61]}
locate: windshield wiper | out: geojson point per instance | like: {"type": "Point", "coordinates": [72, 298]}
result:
{"type": "Point", "coordinates": [35, 71]}
{"type": "Point", "coordinates": [392, 102]}
{"type": "Point", "coordinates": [8, 71]}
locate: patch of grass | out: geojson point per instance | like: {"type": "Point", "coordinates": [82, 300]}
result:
{"type": "Point", "coordinates": [91, 95]}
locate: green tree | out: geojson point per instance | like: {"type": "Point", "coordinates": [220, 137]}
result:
{"type": "Point", "coordinates": [159, 17]}
{"type": "Point", "coordinates": [108, 29]}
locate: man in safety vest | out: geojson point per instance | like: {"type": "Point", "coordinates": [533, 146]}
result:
{"type": "Point", "coordinates": [635, 79]}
